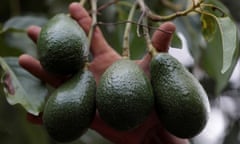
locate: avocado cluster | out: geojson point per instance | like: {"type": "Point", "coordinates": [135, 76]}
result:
{"type": "Point", "coordinates": [63, 50]}
{"type": "Point", "coordinates": [124, 97]}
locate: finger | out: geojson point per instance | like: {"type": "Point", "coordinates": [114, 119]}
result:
{"type": "Point", "coordinates": [160, 39]}
{"type": "Point", "coordinates": [99, 45]}
{"type": "Point", "coordinates": [33, 66]}
{"type": "Point", "coordinates": [33, 32]}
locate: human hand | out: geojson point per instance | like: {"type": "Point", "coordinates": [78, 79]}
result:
{"type": "Point", "coordinates": [151, 130]}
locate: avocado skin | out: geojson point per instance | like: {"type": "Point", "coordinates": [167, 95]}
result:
{"type": "Point", "coordinates": [71, 108]}
{"type": "Point", "coordinates": [181, 103]}
{"type": "Point", "coordinates": [124, 95]}
{"type": "Point", "coordinates": [62, 45]}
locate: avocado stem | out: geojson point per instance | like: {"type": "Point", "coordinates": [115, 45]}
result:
{"type": "Point", "coordinates": [151, 49]}
{"type": "Point", "coordinates": [126, 47]}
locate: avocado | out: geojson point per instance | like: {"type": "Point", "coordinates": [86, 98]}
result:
{"type": "Point", "coordinates": [70, 109]}
{"type": "Point", "coordinates": [63, 46]}
{"type": "Point", "coordinates": [181, 102]}
{"type": "Point", "coordinates": [124, 95]}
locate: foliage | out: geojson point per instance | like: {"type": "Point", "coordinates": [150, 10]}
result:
{"type": "Point", "coordinates": [208, 26]}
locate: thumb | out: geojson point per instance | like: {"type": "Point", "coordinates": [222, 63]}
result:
{"type": "Point", "coordinates": [161, 38]}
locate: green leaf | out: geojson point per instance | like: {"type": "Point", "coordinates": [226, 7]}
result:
{"type": "Point", "coordinates": [216, 17]}
{"type": "Point", "coordinates": [20, 87]}
{"type": "Point", "coordinates": [20, 23]}
{"type": "Point", "coordinates": [21, 42]}
{"type": "Point", "coordinates": [15, 129]}
{"type": "Point", "coordinates": [209, 27]}
{"type": "Point", "coordinates": [7, 50]}
{"type": "Point", "coordinates": [228, 40]}
{"type": "Point", "coordinates": [229, 33]}
{"type": "Point", "coordinates": [13, 36]}
{"type": "Point", "coordinates": [12, 30]}
{"type": "Point", "coordinates": [221, 54]}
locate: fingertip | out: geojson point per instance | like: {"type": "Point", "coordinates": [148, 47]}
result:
{"type": "Point", "coordinates": [33, 28]}
{"type": "Point", "coordinates": [168, 26]}
{"type": "Point", "coordinates": [33, 32]}
{"type": "Point", "coordinates": [23, 59]}
{"type": "Point", "coordinates": [74, 5]}
{"type": "Point", "coordinates": [29, 63]}
{"type": "Point", "coordinates": [80, 14]}
{"type": "Point", "coordinates": [34, 66]}
{"type": "Point", "coordinates": [161, 38]}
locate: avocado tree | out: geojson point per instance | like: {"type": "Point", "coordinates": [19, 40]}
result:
{"type": "Point", "coordinates": [208, 29]}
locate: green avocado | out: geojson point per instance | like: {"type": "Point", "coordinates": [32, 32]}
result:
{"type": "Point", "coordinates": [62, 45]}
{"type": "Point", "coordinates": [70, 109]}
{"type": "Point", "coordinates": [181, 102]}
{"type": "Point", "coordinates": [124, 95]}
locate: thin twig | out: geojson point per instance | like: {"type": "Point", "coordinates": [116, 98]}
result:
{"type": "Point", "coordinates": [104, 6]}
{"type": "Point", "coordinates": [139, 23]}
{"type": "Point", "coordinates": [127, 31]}
{"type": "Point", "coordinates": [132, 22]}
{"type": "Point", "coordinates": [143, 7]}
{"type": "Point", "coordinates": [144, 10]}
{"type": "Point", "coordinates": [156, 17]}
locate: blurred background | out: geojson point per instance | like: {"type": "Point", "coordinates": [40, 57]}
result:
{"type": "Point", "coordinates": [223, 90]}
